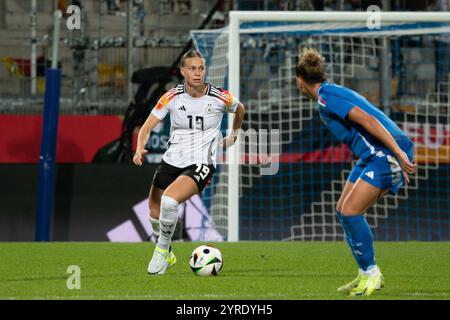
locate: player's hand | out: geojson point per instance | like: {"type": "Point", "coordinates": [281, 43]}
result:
{"type": "Point", "coordinates": [407, 166]}
{"type": "Point", "coordinates": [405, 176]}
{"type": "Point", "coordinates": [139, 157]}
{"type": "Point", "coordinates": [228, 141]}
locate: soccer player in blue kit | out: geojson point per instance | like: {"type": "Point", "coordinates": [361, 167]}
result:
{"type": "Point", "coordinates": [385, 159]}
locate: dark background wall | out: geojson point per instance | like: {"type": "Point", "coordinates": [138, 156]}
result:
{"type": "Point", "coordinates": [90, 200]}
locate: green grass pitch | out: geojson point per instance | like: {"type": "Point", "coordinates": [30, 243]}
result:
{"type": "Point", "coordinates": [252, 271]}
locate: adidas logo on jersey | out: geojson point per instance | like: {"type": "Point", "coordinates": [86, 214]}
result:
{"type": "Point", "coordinates": [369, 174]}
{"type": "Point", "coordinates": [182, 108]}
{"type": "Point", "coordinates": [197, 177]}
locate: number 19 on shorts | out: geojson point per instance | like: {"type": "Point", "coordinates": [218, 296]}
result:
{"type": "Point", "coordinates": [202, 170]}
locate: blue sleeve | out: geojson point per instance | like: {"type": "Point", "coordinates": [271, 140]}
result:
{"type": "Point", "coordinates": [336, 104]}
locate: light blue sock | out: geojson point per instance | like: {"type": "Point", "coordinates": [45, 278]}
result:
{"type": "Point", "coordinates": [347, 236]}
{"type": "Point", "coordinates": [361, 240]}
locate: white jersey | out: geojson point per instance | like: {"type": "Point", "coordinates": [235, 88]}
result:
{"type": "Point", "coordinates": [194, 124]}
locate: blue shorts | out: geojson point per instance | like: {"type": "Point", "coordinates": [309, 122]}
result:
{"type": "Point", "coordinates": [381, 170]}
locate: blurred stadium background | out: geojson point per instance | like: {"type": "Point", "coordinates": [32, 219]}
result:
{"type": "Point", "coordinates": [122, 59]}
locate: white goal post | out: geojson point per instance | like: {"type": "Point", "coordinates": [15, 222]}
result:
{"type": "Point", "coordinates": [238, 17]}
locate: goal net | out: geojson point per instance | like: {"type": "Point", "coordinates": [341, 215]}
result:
{"type": "Point", "coordinates": [402, 68]}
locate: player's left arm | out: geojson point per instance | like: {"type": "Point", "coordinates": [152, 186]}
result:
{"type": "Point", "coordinates": [237, 123]}
{"type": "Point", "coordinates": [374, 127]}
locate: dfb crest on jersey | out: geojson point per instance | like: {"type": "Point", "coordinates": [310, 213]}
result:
{"type": "Point", "coordinates": [209, 108]}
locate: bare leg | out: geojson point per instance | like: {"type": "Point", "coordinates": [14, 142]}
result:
{"type": "Point", "coordinates": [154, 203]}
{"type": "Point", "coordinates": [347, 188]}
{"type": "Point", "coordinates": [182, 189]}
{"type": "Point", "coordinates": [360, 198]}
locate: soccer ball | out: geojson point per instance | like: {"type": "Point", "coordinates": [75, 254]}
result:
{"type": "Point", "coordinates": [206, 260]}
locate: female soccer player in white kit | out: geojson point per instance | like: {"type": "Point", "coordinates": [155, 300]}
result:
{"type": "Point", "coordinates": [196, 109]}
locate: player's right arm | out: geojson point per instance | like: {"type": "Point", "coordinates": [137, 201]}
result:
{"type": "Point", "coordinates": [346, 109]}
{"type": "Point", "coordinates": [143, 136]}
{"type": "Point", "coordinates": [158, 113]}
{"type": "Point", "coordinates": [375, 129]}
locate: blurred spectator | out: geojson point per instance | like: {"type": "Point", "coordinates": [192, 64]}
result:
{"type": "Point", "coordinates": [256, 5]}
{"type": "Point", "coordinates": [318, 4]}
{"type": "Point", "coordinates": [175, 6]}
{"type": "Point", "coordinates": [412, 5]}
{"type": "Point", "coordinates": [362, 5]}
{"type": "Point", "coordinates": [442, 45]}
{"type": "Point", "coordinates": [183, 6]}
{"type": "Point", "coordinates": [140, 16]}
{"type": "Point", "coordinates": [113, 6]}
{"type": "Point", "coordinates": [64, 4]}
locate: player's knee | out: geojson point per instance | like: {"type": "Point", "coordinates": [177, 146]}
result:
{"type": "Point", "coordinates": [347, 209]}
{"type": "Point", "coordinates": [169, 206]}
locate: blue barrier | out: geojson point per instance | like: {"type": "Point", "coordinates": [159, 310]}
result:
{"type": "Point", "coordinates": [47, 155]}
